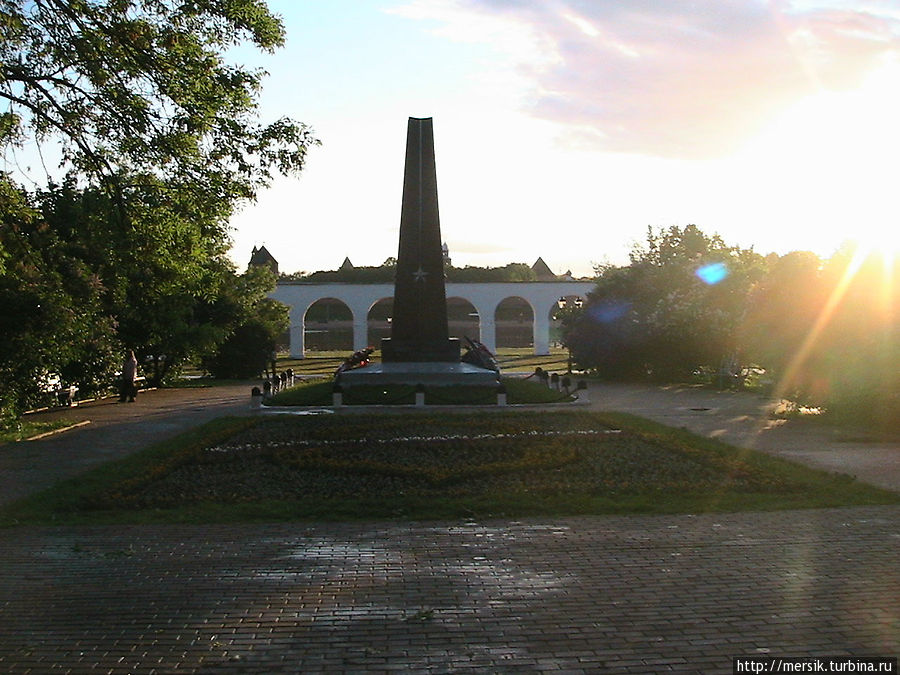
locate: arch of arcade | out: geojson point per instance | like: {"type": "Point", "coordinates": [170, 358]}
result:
{"type": "Point", "coordinates": [484, 297]}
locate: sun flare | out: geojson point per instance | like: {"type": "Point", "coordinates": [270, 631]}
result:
{"type": "Point", "coordinates": [827, 168]}
{"type": "Point", "coordinates": [879, 242]}
{"type": "Point", "coordinates": [828, 165]}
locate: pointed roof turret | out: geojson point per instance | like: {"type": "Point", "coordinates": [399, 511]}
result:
{"type": "Point", "coordinates": [542, 271]}
{"type": "Point", "coordinates": [261, 256]}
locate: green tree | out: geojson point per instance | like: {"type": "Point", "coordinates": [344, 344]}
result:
{"type": "Point", "coordinates": [256, 324]}
{"type": "Point", "coordinates": [126, 85]}
{"type": "Point", "coordinates": [857, 352]}
{"type": "Point", "coordinates": [162, 139]}
{"type": "Point", "coordinates": [676, 308]}
{"type": "Point", "coordinates": [384, 273]}
{"type": "Point", "coordinates": [155, 277]}
{"type": "Point", "coordinates": [510, 272]}
{"type": "Point", "coordinates": [827, 332]}
{"type": "Point", "coordinates": [54, 320]}
{"type": "Point", "coordinates": [782, 309]}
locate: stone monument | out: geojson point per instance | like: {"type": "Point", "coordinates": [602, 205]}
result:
{"type": "Point", "coordinates": [420, 350]}
{"type": "Point", "coordinates": [419, 331]}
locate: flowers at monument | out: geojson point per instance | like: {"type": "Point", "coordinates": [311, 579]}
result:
{"type": "Point", "coordinates": [230, 448]}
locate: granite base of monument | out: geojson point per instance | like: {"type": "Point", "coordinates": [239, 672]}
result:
{"type": "Point", "coordinates": [399, 351]}
{"type": "Point", "coordinates": [430, 373]}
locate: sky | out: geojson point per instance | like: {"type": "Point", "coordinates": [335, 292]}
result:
{"type": "Point", "coordinates": [564, 128]}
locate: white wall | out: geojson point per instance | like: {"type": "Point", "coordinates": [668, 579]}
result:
{"type": "Point", "coordinates": [485, 297]}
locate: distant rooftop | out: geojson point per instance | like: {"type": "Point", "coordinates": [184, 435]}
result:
{"type": "Point", "coordinates": [542, 271]}
{"type": "Point", "coordinates": [261, 256]}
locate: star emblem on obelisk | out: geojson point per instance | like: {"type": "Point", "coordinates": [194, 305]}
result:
{"type": "Point", "coordinates": [420, 274]}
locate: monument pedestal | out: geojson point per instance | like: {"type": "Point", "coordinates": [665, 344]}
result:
{"type": "Point", "coordinates": [394, 350]}
{"type": "Point", "coordinates": [428, 373]}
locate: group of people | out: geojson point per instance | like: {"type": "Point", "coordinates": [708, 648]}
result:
{"type": "Point", "coordinates": [278, 381]}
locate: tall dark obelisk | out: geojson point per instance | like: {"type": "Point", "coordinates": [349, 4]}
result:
{"type": "Point", "coordinates": [419, 331]}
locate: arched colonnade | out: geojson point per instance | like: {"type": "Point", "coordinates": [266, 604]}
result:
{"type": "Point", "coordinates": [484, 297]}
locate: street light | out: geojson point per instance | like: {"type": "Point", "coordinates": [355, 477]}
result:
{"type": "Point", "coordinates": [562, 303]}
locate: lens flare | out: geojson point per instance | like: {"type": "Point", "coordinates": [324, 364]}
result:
{"type": "Point", "coordinates": [608, 311]}
{"type": "Point", "coordinates": [713, 273]}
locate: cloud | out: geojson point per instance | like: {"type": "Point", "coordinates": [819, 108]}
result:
{"type": "Point", "coordinates": [681, 78]}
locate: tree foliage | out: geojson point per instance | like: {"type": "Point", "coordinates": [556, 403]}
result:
{"type": "Point", "coordinates": [246, 352]}
{"type": "Point", "coordinates": [828, 332]}
{"type": "Point", "coordinates": [160, 139]}
{"type": "Point", "coordinates": [142, 85]}
{"type": "Point", "coordinates": [507, 273]}
{"type": "Point", "coordinates": [674, 309]}
{"type": "Point", "coordinates": [782, 310]}
{"type": "Point", "coordinates": [384, 274]}
{"type": "Point", "coordinates": [254, 324]}
{"type": "Point", "coordinates": [54, 320]}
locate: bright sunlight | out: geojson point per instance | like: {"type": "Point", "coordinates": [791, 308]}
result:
{"type": "Point", "coordinates": [836, 151]}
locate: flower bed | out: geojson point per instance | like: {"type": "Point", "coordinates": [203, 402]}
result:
{"type": "Point", "coordinates": [386, 457]}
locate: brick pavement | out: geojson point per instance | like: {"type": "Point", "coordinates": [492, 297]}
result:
{"type": "Point", "coordinates": [588, 594]}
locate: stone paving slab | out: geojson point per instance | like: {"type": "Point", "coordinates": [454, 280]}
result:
{"type": "Point", "coordinates": [634, 594]}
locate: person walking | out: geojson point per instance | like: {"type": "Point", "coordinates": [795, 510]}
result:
{"type": "Point", "coordinates": [128, 389]}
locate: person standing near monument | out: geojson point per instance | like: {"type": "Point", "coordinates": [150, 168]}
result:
{"type": "Point", "coordinates": [129, 376]}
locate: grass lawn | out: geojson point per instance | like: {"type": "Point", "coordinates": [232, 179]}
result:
{"type": "Point", "coordinates": [434, 466]}
{"type": "Point", "coordinates": [523, 360]}
{"type": "Point", "coordinates": [511, 360]}
{"type": "Point", "coordinates": [318, 393]}
{"type": "Point", "coordinates": [24, 429]}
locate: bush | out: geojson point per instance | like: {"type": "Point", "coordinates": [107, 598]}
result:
{"type": "Point", "coordinates": [244, 354]}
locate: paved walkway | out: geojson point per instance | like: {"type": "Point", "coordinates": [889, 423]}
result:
{"type": "Point", "coordinates": [590, 594]}
{"type": "Point", "coordinates": [115, 430]}
{"type": "Point", "coordinates": [744, 419]}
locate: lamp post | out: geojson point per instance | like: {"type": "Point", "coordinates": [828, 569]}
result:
{"type": "Point", "coordinates": [563, 303]}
